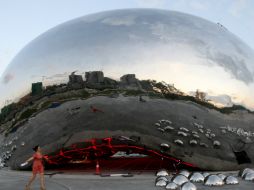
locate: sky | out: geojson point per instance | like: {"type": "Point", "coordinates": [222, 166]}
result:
{"type": "Point", "coordinates": [22, 21]}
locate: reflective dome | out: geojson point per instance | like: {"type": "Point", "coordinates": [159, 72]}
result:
{"type": "Point", "coordinates": [169, 128]}
{"type": "Point", "coordinates": [193, 142]}
{"type": "Point", "coordinates": [178, 141]}
{"type": "Point", "coordinates": [162, 172]}
{"type": "Point", "coordinates": [179, 179]}
{"type": "Point", "coordinates": [184, 129]}
{"type": "Point", "coordinates": [205, 174]}
{"type": "Point", "coordinates": [249, 176]}
{"type": "Point", "coordinates": [186, 51]}
{"type": "Point", "coordinates": [203, 145]}
{"type": "Point", "coordinates": [172, 186]}
{"type": "Point", "coordinates": [181, 133]}
{"type": "Point", "coordinates": [213, 180]}
{"type": "Point", "coordinates": [196, 177]}
{"type": "Point", "coordinates": [185, 173]}
{"type": "Point", "coordinates": [244, 171]}
{"type": "Point", "coordinates": [165, 146]}
{"type": "Point", "coordinates": [216, 144]}
{"type": "Point", "coordinates": [231, 180]}
{"type": "Point", "coordinates": [161, 178]}
{"type": "Point", "coordinates": [161, 183]}
{"type": "Point", "coordinates": [222, 176]}
{"type": "Point", "coordinates": [188, 186]}
{"type": "Point", "coordinates": [196, 136]}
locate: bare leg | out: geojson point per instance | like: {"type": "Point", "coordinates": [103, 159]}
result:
{"type": "Point", "coordinates": [30, 181]}
{"type": "Point", "coordinates": [42, 181]}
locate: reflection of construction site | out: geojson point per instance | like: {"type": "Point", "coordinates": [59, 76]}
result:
{"type": "Point", "coordinates": [113, 154]}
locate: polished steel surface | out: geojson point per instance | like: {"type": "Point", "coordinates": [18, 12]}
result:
{"type": "Point", "coordinates": [231, 180]}
{"type": "Point", "coordinates": [172, 186]}
{"type": "Point", "coordinates": [196, 177]}
{"type": "Point", "coordinates": [179, 179]}
{"type": "Point", "coordinates": [187, 51]}
{"type": "Point", "coordinates": [188, 186]}
{"type": "Point", "coordinates": [162, 173]}
{"type": "Point", "coordinates": [213, 180]}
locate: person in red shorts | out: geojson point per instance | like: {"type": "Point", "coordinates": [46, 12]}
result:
{"type": "Point", "coordinates": [37, 167]}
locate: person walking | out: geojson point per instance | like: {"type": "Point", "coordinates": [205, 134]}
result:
{"type": "Point", "coordinates": [37, 167]}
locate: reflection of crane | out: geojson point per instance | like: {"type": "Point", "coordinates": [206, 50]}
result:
{"type": "Point", "coordinates": [43, 77]}
{"type": "Point", "coordinates": [221, 26]}
{"type": "Point", "coordinates": [74, 72]}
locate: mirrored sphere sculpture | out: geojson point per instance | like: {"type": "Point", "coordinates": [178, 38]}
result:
{"type": "Point", "coordinates": [161, 183]}
{"type": "Point", "coordinates": [231, 180]}
{"type": "Point", "coordinates": [188, 186]}
{"type": "Point", "coordinates": [205, 174]}
{"type": "Point", "coordinates": [244, 171]}
{"type": "Point", "coordinates": [213, 180]}
{"type": "Point", "coordinates": [222, 176]}
{"type": "Point", "coordinates": [162, 172]}
{"type": "Point", "coordinates": [178, 141]}
{"type": "Point", "coordinates": [248, 176]}
{"type": "Point", "coordinates": [169, 128]}
{"type": "Point", "coordinates": [161, 178]}
{"type": "Point", "coordinates": [185, 173]}
{"type": "Point", "coordinates": [179, 179]}
{"type": "Point", "coordinates": [172, 186]}
{"type": "Point", "coordinates": [196, 177]}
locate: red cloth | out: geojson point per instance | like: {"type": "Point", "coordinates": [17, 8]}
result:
{"type": "Point", "coordinates": [37, 164]}
{"type": "Point", "coordinates": [95, 110]}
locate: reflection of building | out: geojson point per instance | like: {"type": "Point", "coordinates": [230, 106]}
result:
{"type": "Point", "coordinates": [75, 81]}
{"type": "Point", "coordinates": [75, 78]}
{"type": "Point", "coordinates": [37, 88]}
{"type": "Point", "coordinates": [94, 77]}
{"type": "Point", "coordinates": [130, 81]}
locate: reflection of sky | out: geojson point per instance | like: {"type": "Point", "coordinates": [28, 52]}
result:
{"type": "Point", "coordinates": [190, 52]}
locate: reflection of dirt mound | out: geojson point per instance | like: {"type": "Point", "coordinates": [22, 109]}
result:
{"type": "Point", "coordinates": [56, 128]}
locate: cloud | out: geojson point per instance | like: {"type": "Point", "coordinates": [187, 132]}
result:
{"type": "Point", "coordinates": [151, 3]}
{"type": "Point", "coordinates": [238, 6]}
{"type": "Point", "coordinates": [119, 21]}
{"type": "Point", "coordinates": [232, 63]}
{"type": "Point", "coordinates": [5, 58]}
{"type": "Point", "coordinates": [7, 78]}
{"type": "Point", "coordinates": [235, 66]}
{"type": "Point", "coordinates": [221, 100]}
{"type": "Point", "coordinates": [199, 5]}
{"type": "Point", "coordinates": [161, 30]}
